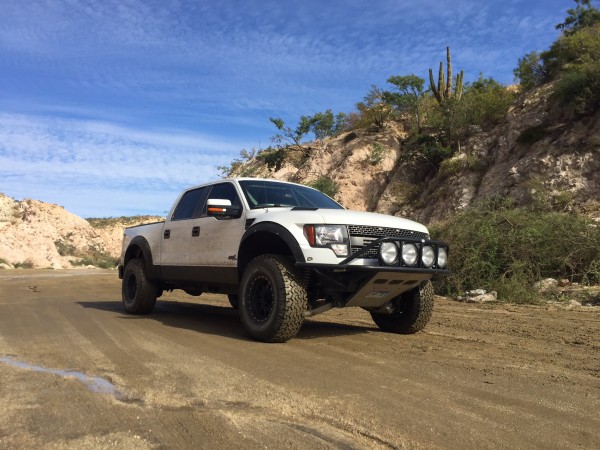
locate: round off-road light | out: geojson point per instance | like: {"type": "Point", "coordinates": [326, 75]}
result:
{"type": "Point", "coordinates": [388, 251]}
{"type": "Point", "coordinates": [409, 254]}
{"type": "Point", "coordinates": [428, 256]}
{"type": "Point", "coordinates": [442, 258]}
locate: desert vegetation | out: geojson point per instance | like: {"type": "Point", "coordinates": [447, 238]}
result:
{"type": "Point", "coordinates": [498, 247]}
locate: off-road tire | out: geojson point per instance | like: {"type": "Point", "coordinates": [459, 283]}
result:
{"type": "Point", "coordinates": [234, 300]}
{"type": "Point", "coordinates": [413, 311]}
{"type": "Point", "coordinates": [138, 293]}
{"type": "Point", "coordinates": [272, 299]}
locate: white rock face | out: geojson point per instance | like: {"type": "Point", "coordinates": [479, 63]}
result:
{"type": "Point", "coordinates": [43, 235]}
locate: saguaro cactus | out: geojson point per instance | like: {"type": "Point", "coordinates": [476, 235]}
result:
{"type": "Point", "coordinates": [443, 91]}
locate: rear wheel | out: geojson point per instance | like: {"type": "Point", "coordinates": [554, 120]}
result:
{"type": "Point", "coordinates": [273, 300]}
{"type": "Point", "coordinates": [138, 293]}
{"type": "Point", "coordinates": [412, 311]}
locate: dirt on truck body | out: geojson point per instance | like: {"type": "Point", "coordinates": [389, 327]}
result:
{"type": "Point", "coordinates": [77, 372]}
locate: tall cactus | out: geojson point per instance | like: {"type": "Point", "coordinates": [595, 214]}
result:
{"type": "Point", "coordinates": [443, 91]}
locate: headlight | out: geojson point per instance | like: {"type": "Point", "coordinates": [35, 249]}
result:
{"type": "Point", "coordinates": [388, 251]}
{"type": "Point", "coordinates": [409, 254]}
{"type": "Point", "coordinates": [327, 234]}
{"type": "Point", "coordinates": [442, 258]}
{"type": "Point", "coordinates": [428, 256]}
{"type": "Point", "coordinates": [334, 237]}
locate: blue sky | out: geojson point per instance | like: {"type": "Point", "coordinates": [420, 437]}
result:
{"type": "Point", "coordinates": [110, 108]}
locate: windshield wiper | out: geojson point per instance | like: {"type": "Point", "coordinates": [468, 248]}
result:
{"type": "Point", "coordinates": [270, 205]}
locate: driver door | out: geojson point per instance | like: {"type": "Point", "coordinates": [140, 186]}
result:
{"type": "Point", "coordinates": [218, 239]}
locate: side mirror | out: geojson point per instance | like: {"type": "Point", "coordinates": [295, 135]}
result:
{"type": "Point", "coordinates": [221, 209]}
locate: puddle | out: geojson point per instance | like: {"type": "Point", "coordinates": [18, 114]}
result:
{"type": "Point", "coordinates": [95, 384]}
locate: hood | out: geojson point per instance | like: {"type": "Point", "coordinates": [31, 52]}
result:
{"type": "Point", "coordinates": [334, 217]}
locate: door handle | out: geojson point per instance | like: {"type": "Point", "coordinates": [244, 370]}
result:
{"type": "Point", "coordinates": [167, 234]}
{"type": "Point", "coordinates": [195, 231]}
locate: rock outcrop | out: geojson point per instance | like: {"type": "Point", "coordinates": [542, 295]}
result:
{"type": "Point", "coordinates": [43, 235]}
{"type": "Point", "coordinates": [536, 154]}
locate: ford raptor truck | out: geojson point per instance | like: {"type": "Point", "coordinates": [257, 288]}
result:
{"type": "Point", "coordinates": [283, 252]}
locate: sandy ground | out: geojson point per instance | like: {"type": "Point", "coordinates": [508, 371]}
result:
{"type": "Point", "coordinates": [187, 376]}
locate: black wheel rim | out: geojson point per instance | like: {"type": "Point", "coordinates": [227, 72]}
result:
{"type": "Point", "coordinates": [130, 288]}
{"type": "Point", "coordinates": [261, 299]}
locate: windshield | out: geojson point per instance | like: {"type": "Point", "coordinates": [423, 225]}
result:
{"type": "Point", "coordinates": [265, 194]}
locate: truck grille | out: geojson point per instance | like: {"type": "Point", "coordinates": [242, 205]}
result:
{"type": "Point", "coordinates": [361, 236]}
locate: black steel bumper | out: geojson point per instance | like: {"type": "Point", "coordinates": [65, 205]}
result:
{"type": "Point", "coordinates": [419, 268]}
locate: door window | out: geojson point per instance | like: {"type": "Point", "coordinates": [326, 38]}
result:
{"type": "Point", "coordinates": [224, 191]}
{"type": "Point", "coordinates": [190, 205]}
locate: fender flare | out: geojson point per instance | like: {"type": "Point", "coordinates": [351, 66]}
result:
{"type": "Point", "coordinates": [145, 254]}
{"type": "Point", "coordinates": [274, 229]}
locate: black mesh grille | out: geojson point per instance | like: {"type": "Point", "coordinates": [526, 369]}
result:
{"type": "Point", "coordinates": [371, 254]}
{"type": "Point", "coordinates": [378, 232]}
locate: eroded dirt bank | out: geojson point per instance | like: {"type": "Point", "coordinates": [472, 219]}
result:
{"type": "Point", "coordinates": [187, 376]}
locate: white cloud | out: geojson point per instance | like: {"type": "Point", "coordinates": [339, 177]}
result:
{"type": "Point", "coordinates": [78, 156]}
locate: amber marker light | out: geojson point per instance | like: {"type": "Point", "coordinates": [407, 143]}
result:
{"type": "Point", "coordinates": [309, 232]}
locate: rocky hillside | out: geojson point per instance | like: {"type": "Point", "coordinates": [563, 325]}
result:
{"type": "Point", "coordinates": [38, 234]}
{"type": "Point", "coordinates": [536, 153]}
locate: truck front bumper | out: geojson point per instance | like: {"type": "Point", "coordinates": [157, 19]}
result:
{"type": "Point", "coordinates": [379, 283]}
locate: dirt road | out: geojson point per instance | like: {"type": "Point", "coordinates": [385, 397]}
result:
{"type": "Point", "coordinates": [76, 372]}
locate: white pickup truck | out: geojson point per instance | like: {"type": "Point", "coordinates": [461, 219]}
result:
{"type": "Point", "coordinates": [283, 252]}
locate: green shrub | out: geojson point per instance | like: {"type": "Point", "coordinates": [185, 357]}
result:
{"type": "Point", "coordinates": [502, 248]}
{"type": "Point", "coordinates": [584, 15]}
{"type": "Point", "coordinates": [377, 154]}
{"type": "Point", "coordinates": [373, 110]}
{"type": "Point", "coordinates": [272, 157]}
{"type": "Point", "coordinates": [103, 262]}
{"type": "Point", "coordinates": [326, 185]}
{"type": "Point", "coordinates": [23, 265]}
{"type": "Point", "coordinates": [107, 222]}
{"type": "Point", "coordinates": [65, 248]}
{"type": "Point", "coordinates": [582, 47]}
{"type": "Point", "coordinates": [95, 257]}
{"type": "Point", "coordinates": [404, 192]}
{"type": "Point", "coordinates": [350, 137]}
{"type": "Point", "coordinates": [484, 103]}
{"type": "Point", "coordinates": [579, 88]}
{"type": "Point", "coordinates": [248, 171]}
{"type": "Point", "coordinates": [425, 151]}
{"type": "Point", "coordinates": [531, 135]}
{"type": "Point", "coordinates": [530, 71]}
{"type": "Point", "coordinates": [542, 199]}
{"type": "Point", "coordinates": [453, 166]}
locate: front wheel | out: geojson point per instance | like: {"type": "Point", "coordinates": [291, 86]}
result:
{"type": "Point", "coordinates": [412, 311]}
{"type": "Point", "coordinates": [138, 293]}
{"type": "Point", "coordinates": [272, 300]}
